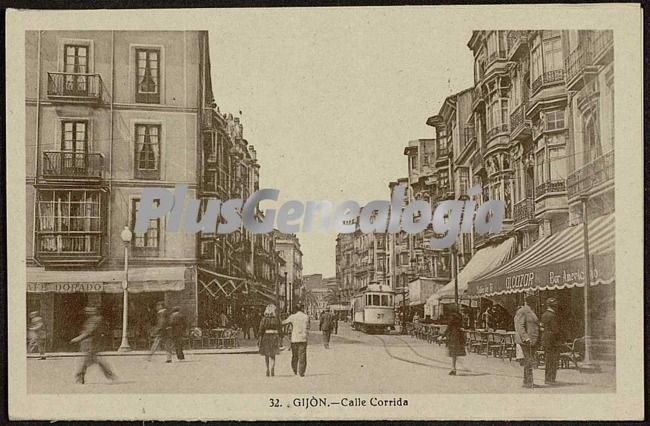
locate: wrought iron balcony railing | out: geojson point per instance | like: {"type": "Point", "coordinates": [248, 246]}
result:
{"type": "Point", "coordinates": [592, 175]}
{"type": "Point", "coordinates": [549, 187]}
{"type": "Point", "coordinates": [548, 78]}
{"type": "Point", "coordinates": [75, 86]}
{"type": "Point", "coordinates": [524, 210]}
{"type": "Point", "coordinates": [602, 40]}
{"type": "Point", "coordinates": [577, 61]}
{"type": "Point", "coordinates": [69, 164]}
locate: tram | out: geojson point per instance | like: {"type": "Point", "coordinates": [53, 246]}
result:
{"type": "Point", "coordinates": [373, 309]}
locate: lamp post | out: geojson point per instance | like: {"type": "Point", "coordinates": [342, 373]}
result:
{"type": "Point", "coordinates": [126, 236]}
{"type": "Point", "coordinates": [587, 364]}
{"type": "Point", "coordinates": [454, 260]}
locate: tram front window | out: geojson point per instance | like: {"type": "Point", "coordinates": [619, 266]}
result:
{"type": "Point", "coordinates": [375, 300]}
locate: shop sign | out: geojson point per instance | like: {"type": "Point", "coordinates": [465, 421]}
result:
{"type": "Point", "coordinates": [65, 287]}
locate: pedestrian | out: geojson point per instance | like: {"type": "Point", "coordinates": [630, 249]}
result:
{"type": "Point", "coordinates": [335, 318]}
{"type": "Point", "coordinates": [551, 340]}
{"type": "Point", "coordinates": [270, 334]}
{"type": "Point", "coordinates": [223, 320]}
{"type": "Point", "coordinates": [526, 335]}
{"type": "Point", "coordinates": [161, 332]}
{"type": "Point", "coordinates": [36, 334]}
{"type": "Point", "coordinates": [299, 329]}
{"type": "Point", "coordinates": [416, 317]}
{"type": "Point", "coordinates": [178, 325]}
{"type": "Point", "coordinates": [88, 344]}
{"type": "Point", "coordinates": [454, 336]}
{"type": "Point", "coordinates": [326, 325]}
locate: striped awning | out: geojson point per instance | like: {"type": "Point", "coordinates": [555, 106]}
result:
{"type": "Point", "coordinates": [555, 262]}
{"type": "Point", "coordinates": [483, 260]}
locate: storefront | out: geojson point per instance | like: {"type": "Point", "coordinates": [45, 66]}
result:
{"type": "Point", "coordinates": [483, 260]}
{"type": "Point", "coordinates": [419, 291]}
{"type": "Point", "coordinates": [60, 297]}
{"type": "Point", "coordinates": [555, 267]}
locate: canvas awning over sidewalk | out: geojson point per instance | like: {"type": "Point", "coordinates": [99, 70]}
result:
{"type": "Point", "coordinates": [141, 280]}
{"type": "Point", "coordinates": [555, 262]}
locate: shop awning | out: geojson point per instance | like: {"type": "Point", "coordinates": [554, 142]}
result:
{"type": "Point", "coordinates": [555, 262]}
{"type": "Point", "coordinates": [140, 280]}
{"type": "Point", "coordinates": [484, 260]}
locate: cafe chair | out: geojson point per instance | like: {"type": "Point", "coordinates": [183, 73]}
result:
{"type": "Point", "coordinates": [572, 352]}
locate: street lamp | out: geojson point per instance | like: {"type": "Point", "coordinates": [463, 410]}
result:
{"type": "Point", "coordinates": [126, 236]}
{"type": "Point", "coordinates": [286, 294]}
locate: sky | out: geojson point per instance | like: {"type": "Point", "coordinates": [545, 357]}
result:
{"type": "Point", "coordinates": [330, 98]}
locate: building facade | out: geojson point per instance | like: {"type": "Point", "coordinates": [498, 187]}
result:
{"type": "Point", "coordinates": [292, 290]}
{"type": "Point", "coordinates": [109, 113]}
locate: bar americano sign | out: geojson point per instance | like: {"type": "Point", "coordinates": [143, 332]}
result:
{"type": "Point", "coordinates": [555, 276]}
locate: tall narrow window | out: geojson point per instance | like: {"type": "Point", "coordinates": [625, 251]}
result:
{"type": "Point", "coordinates": [74, 147]}
{"type": "Point", "coordinates": [553, 54]}
{"type": "Point", "coordinates": [75, 66]}
{"type": "Point", "coordinates": [147, 151]}
{"type": "Point", "coordinates": [592, 142]}
{"type": "Point", "coordinates": [148, 242]}
{"type": "Point", "coordinates": [147, 87]}
{"type": "Point", "coordinates": [535, 61]}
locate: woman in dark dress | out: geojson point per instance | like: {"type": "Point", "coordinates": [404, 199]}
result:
{"type": "Point", "coordinates": [268, 337]}
{"type": "Point", "coordinates": [455, 336]}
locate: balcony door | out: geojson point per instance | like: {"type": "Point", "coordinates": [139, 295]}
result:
{"type": "Point", "coordinates": [75, 66]}
{"type": "Point", "coordinates": [74, 148]}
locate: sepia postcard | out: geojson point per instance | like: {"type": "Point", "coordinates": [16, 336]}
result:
{"type": "Point", "coordinates": [363, 213]}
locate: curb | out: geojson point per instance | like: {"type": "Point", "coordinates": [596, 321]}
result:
{"type": "Point", "coordinates": [144, 353]}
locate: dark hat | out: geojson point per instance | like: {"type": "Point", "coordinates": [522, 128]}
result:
{"type": "Point", "coordinates": [551, 301]}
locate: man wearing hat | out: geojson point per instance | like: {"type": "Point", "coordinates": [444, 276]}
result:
{"type": "Point", "coordinates": [88, 343]}
{"type": "Point", "coordinates": [299, 329]}
{"type": "Point", "coordinates": [527, 335]}
{"type": "Point", "coordinates": [36, 334]}
{"type": "Point", "coordinates": [551, 340]}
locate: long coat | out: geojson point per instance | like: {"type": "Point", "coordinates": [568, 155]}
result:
{"type": "Point", "coordinates": [526, 326]}
{"type": "Point", "coordinates": [551, 334]}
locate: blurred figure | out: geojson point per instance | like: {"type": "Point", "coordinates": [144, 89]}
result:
{"type": "Point", "coordinates": [326, 325]}
{"type": "Point", "coordinates": [416, 317]}
{"type": "Point", "coordinates": [223, 320]}
{"type": "Point", "coordinates": [270, 334]}
{"type": "Point", "coordinates": [247, 324]}
{"type": "Point", "coordinates": [36, 334]}
{"type": "Point", "coordinates": [526, 335]}
{"type": "Point", "coordinates": [161, 332]}
{"type": "Point", "coordinates": [178, 325]}
{"type": "Point", "coordinates": [88, 344]}
{"type": "Point", "coordinates": [454, 336]}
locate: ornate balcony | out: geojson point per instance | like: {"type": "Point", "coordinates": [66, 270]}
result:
{"type": "Point", "coordinates": [79, 166]}
{"type": "Point", "coordinates": [524, 211]}
{"type": "Point", "coordinates": [518, 123]}
{"type": "Point", "coordinates": [74, 87]}
{"type": "Point", "coordinates": [550, 187]}
{"type": "Point", "coordinates": [591, 177]}
{"type": "Point", "coordinates": [578, 65]}
{"type": "Point", "coordinates": [548, 78]}
{"type": "Point", "coordinates": [603, 43]}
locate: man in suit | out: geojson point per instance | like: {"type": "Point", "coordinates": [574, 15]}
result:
{"type": "Point", "coordinates": [178, 325]}
{"type": "Point", "coordinates": [299, 330]}
{"type": "Point", "coordinates": [326, 326]}
{"type": "Point", "coordinates": [88, 342]}
{"type": "Point", "coordinates": [527, 336]}
{"type": "Point", "coordinates": [551, 340]}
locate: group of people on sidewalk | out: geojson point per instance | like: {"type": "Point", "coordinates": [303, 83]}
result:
{"type": "Point", "coordinates": [529, 333]}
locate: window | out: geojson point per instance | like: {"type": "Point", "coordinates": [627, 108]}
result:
{"type": "Point", "coordinates": [553, 54]}
{"type": "Point", "coordinates": [147, 151]}
{"type": "Point", "coordinates": [463, 180]}
{"type": "Point", "coordinates": [75, 62]}
{"type": "Point", "coordinates": [384, 300]}
{"type": "Point", "coordinates": [492, 46]}
{"type": "Point", "coordinates": [414, 162]}
{"type": "Point", "coordinates": [443, 179]}
{"type": "Point", "coordinates": [147, 86]}
{"type": "Point", "coordinates": [148, 242]}
{"type": "Point", "coordinates": [74, 146]}
{"type": "Point", "coordinates": [554, 120]}
{"type": "Point", "coordinates": [505, 117]}
{"type": "Point", "coordinates": [69, 222]}
{"type": "Point", "coordinates": [558, 163]}
{"type": "Point", "coordinates": [540, 175]}
{"type": "Point", "coordinates": [535, 60]}
{"type": "Point", "coordinates": [592, 144]}
{"type": "Point", "coordinates": [375, 300]}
